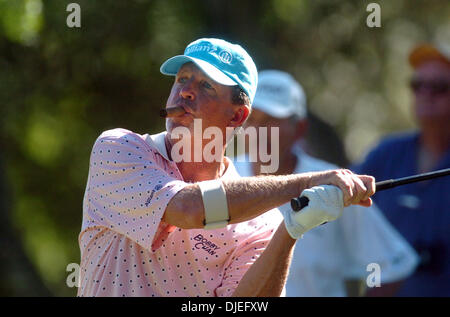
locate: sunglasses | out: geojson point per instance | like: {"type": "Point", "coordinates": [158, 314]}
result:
{"type": "Point", "coordinates": [436, 87]}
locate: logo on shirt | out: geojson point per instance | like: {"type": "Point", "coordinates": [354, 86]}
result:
{"type": "Point", "coordinates": [205, 244]}
{"type": "Point", "coordinates": [149, 199]}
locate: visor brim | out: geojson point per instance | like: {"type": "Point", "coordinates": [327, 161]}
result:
{"type": "Point", "coordinates": [173, 65]}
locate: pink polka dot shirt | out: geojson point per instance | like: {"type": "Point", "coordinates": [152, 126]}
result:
{"type": "Point", "coordinates": [127, 250]}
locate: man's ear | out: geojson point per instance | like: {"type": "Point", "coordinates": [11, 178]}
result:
{"type": "Point", "coordinates": [240, 115]}
{"type": "Point", "coordinates": [301, 128]}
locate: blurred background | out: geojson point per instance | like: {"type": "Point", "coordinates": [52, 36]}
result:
{"type": "Point", "coordinates": [60, 87]}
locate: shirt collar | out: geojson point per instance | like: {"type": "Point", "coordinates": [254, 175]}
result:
{"type": "Point", "coordinates": [158, 141]}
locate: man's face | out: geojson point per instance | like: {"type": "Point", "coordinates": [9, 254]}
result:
{"type": "Point", "coordinates": [201, 97]}
{"type": "Point", "coordinates": [430, 85]}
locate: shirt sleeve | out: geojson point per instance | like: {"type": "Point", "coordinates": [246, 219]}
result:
{"type": "Point", "coordinates": [247, 252]}
{"type": "Point", "coordinates": [371, 239]}
{"type": "Point", "coordinates": [129, 187]}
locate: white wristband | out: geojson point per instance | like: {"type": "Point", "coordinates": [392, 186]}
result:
{"type": "Point", "coordinates": [215, 204]}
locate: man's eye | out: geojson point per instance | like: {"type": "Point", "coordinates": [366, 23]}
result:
{"type": "Point", "coordinates": [207, 85]}
{"type": "Point", "coordinates": [181, 79]}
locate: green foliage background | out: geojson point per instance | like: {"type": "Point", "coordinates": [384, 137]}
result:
{"type": "Point", "coordinates": [60, 87]}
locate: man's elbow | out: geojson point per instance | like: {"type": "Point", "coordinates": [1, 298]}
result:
{"type": "Point", "coordinates": [185, 210]}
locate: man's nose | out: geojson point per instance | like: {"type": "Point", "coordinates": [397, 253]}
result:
{"type": "Point", "coordinates": [187, 91]}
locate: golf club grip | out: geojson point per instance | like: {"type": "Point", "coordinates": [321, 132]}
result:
{"type": "Point", "coordinates": [301, 202]}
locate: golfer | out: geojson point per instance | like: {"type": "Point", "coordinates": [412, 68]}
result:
{"type": "Point", "coordinates": [155, 225]}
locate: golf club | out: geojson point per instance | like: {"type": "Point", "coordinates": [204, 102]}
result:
{"type": "Point", "coordinates": [299, 203]}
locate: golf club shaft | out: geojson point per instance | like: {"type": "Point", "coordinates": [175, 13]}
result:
{"type": "Point", "coordinates": [299, 203]}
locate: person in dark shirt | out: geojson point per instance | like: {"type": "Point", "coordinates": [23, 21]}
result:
{"type": "Point", "coordinates": [420, 211]}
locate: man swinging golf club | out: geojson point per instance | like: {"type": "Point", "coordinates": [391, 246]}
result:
{"type": "Point", "coordinates": [155, 226]}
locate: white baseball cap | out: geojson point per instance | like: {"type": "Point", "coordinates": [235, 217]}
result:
{"type": "Point", "coordinates": [279, 95]}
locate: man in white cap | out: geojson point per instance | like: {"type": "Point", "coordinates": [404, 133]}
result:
{"type": "Point", "coordinates": [421, 211]}
{"type": "Point", "coordinates": [342, 251]}
{"type": "Point", "coordinates": [154, 225]}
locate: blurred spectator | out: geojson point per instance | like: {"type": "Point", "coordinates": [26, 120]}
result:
{"type": "Point", "coordinates": [421, 211]}
{"type": "Point", "coordinates": [329, 256]}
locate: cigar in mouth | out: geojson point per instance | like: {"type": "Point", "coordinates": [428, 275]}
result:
{"type": "Point", "coordinates": [172, 112]}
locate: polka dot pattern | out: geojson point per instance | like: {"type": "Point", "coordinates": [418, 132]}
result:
{"type": "Point", "coordinates": [126, 250]}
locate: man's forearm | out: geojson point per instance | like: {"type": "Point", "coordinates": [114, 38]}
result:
{"type": "Point", "coordinates": [247, 198]}
{"type": "Point", "coordinates": [267, 276]}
